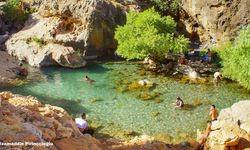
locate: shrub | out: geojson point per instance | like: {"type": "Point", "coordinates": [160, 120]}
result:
{"type": "Point", "coordinates": [171, 6]}
{"type": "Point", "coordinates": [14, 11]}
{"type": "Point", "coordinates": [148, 34]}
{"type": "Point", "coordinates": [39, 41]}
{"type": "Point", "coordinates": [236, 58]}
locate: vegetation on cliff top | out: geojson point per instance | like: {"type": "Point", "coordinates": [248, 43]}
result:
{"type": "Point", "coordinates": [148, 34]}
{"type": "Point", "coordinates": [14, 11]}
{"type": "Point", "coordinates": [170, 6]}
{"type": "Point", "coordinates": [236, 58]}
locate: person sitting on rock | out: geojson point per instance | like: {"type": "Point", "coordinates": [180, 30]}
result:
{"type": "Point", "coordinates": [205, 135]}
{"type": "Point", "coordinates": [217, 77]}
{"type": "Point", "coordinates": [22, 71]}
{"type": "Point", "coordinates": [213, 113]}
{"type": "Point", "coordinates": [86, 78]}
{"type": "Point", "coordinates": [82, 125]}
{"type": "Point", "coordinates": [208, 56]}
{"type": "Point", "coordinates": [179, 102]}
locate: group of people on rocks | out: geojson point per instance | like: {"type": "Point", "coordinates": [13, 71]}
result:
{"type": "Point", "coordinates": [213, 113]}
{"type": "Point", "coordinates": [207, 58]}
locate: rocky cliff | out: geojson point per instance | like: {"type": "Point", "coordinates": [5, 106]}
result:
{"type": "Point", "coordinates": [66, 32]}
{"type": "Point", "coordinates": [215, 19]}
{"type": "Point", "coordinates": [232, 122]}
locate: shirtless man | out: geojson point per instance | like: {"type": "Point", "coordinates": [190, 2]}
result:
{"type": "Point", "coordinates": [213, 113]}
{"type": "Point", "coordinates": [88, 79]}
{"type": "Point", "coordinates": [203, 139]}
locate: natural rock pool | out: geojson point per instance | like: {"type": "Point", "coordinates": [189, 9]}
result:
{"type": "Point", "coordinates": [118, 110]}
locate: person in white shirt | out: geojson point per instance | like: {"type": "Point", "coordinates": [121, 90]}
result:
{"type": "Point", "coordinates": [82, 125]}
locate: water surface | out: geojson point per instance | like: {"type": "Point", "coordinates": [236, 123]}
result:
{"type": "Point", "coordinates": [119, 112]}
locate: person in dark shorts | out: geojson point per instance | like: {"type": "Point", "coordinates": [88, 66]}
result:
{"type": "Point", "coordinates": [82, 125]}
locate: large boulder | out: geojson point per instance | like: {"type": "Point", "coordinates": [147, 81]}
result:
{"type": "Point", "coordinates": [217, 19]}
{"type": "Point", "coordinates": [67, 32]}
{"type": "Point", "coordinates": [232, 122]}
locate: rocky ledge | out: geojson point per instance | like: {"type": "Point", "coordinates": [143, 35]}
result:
{"type": "Point", "coordinates": [232, 127]}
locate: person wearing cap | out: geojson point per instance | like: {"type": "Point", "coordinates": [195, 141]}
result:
{"type": "Point", "coordinates": [82, 125]}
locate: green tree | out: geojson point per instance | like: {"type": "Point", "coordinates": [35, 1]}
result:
{"type": "Point", "coordinates": [148, 34]}
{"type": "Point", "coordinates": [236, 58]}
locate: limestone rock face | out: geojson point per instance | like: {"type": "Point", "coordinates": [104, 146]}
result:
{"type": "Point", "coordinates": [23, 119]}
{"type": "Point", "coordinates": [220, 19]}
{"type": "Point", "coordinates": [232, 122]}
{"type": "Point", "coordinates": [66, 32]}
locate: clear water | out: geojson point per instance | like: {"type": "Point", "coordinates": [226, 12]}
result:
{"type": "Point", "coordinates": [119, 114]}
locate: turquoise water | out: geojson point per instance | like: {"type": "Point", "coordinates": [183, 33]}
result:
{"type": "Point", "coordinates": [119, 112]}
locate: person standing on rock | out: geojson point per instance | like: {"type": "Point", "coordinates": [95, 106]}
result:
{"type": "Point", "coordinates": [213, 113]}
{"type": "Point", "coordinates": [82, 125]}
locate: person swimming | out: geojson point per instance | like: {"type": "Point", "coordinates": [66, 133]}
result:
{"type": "Point", "coordinates": [179, 102]}
{"type": "Point", "coordinates": [86, 78]}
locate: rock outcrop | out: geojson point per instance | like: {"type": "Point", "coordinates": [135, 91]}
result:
{"type": "Point", "coordinates": [232, 122]}
{"type": "Point", "coordinates": [25, 119]}
{"type": "Point", "coordinates": [66, 32]}
{"type": "Point", "coordinates": [8, 69]}
{"type": "Point", "coordinates": [215, 19]}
